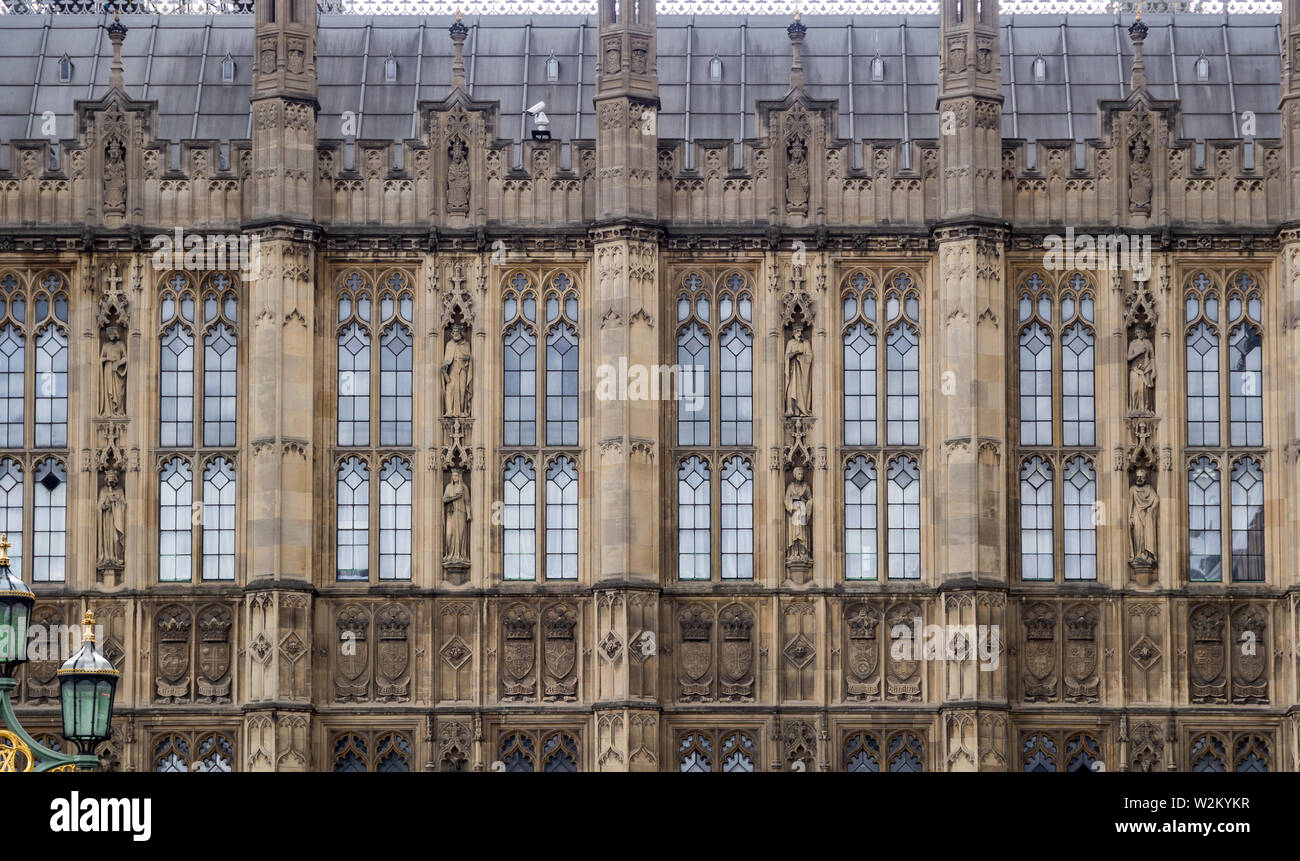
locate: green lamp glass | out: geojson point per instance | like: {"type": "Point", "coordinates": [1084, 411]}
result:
{"type": "Point", "coordinates": [87, 684]}
{"type": "Point", "coordinates": [16, 602]}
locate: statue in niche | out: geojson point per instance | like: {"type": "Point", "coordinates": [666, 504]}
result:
{"type": "Point", "coordinates": [1141, 373]}
{"type": "Point", "coordinates": [112, 522]}
{"type": "Point", "coordinates": [796, 177]}
{"type": "Point", "coordinates": [112, 367]}
{"type": "Point", "coordinates": [798, 373]}
{"type": "Point", "coordinates": [455, 502]}
{"type": "Point", "coordinates": [798, 508]}
{"type": "Point", "coordinates": [458, 176]}
{"type": "Point", "coordinates": [457, 374]}
{"type": "Point", "coordinates": [114, 176]}
{"type": "Point", "coordinates": [1143, 508]}
{"type": "Point", "coordinates": [1139, 177]}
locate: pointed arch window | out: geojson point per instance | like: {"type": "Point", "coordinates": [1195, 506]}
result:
{"type": "Point", "coordinates": [1247, 521]}
{"type": "Point", "coordinates": [395, 519]}
{"type": "Point", "coordinates": [697, 300]}
{"type": "Point", "coordinates": [390, 69]}
{"type": "Point", "coordinates": [220, 373]}
{"type": "Point", "coordinates": [861, 553]}
{"type": "Point", "coordinates": [395, 386]}
{"type": "Point", "coordinates": [175, 521]}
{"type": "Point", "coordinates": [352, 537]}
{"type": "Point", "coordinates": [903, 362]}
{"type": "Point", "coordinates": [50, 527]}
{"type": "Point", "coordinates": [1040, 69]}
{"type": "Point", "coordinates": [520, 363]}
{"type": "Point", "coordinates": [11, 511]}
{"type": "Point", "coordinates": [1080, 520]}
{"type": "Point", "coordinates": [12, 381]}
{"type": "Point", "coordinates": [227, 69]}
{"type": "Point", "coordinates": [1235, 331]}
{"type": "Point", "coordinates": [65, 69]}
{"type": "Point", "coordinates": [737, 520]}
{"type": "Point", "coordinates": [715, 69]}
{"type": "Point", "coordinates": [860, 386]}
{"type": "Point", "coordinates": [561, 362]}
{"type": "Point", "coordinates": [694, 529]}
{"type": "Point", "coordinates": [1204, 522]}
{"type": "Point", "coordinates": [562, 520]}
{"type": "Point", "coordinates": [218, 520]}
{"type": "Point", "coordinates": [51, 387]}
{"type": "Point", "coordinates": [1036, 556]}
{"type": "Point", "coordinates": [520, 520]}
{"type": "Point", "coordinates": [904, 512]}
{"type": "Point", "coordinates": [552, 68]}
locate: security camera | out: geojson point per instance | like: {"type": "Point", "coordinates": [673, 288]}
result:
{"type": "Point", "coordinates": [541, 123]}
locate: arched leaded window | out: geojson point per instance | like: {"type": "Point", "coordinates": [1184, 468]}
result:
{"type": "Point", "coordinates": [175, 521]}
{"type": "Point", "coordinates": [560, 753]}
{"type": "Point", "coordinates": [518, 753]}
{"type": "Point", "coordinates": [1078, 357]}
{"type": "Point", "coordinates": [356, 309]}
{"type": "Point", "coordinates": [902, 362]}
{"type": "Point", "coordinates": [861, 554]}
{"type": "Point", "coordinates": [1081, 752]}
{"type": "Point", "coordinates": [698, 298]}
{"type": "Point", "coordinates": [1250, 753]}
{"type": "Point", "coordinates": [1039, 753]}
{"type": "Point", "coordinates": [1036, 555]}
{"type": "Point", "coordinates": [1035, 362]}
{"type": "Point", "coordinates": [905, 753]}
{"type": "Point", "coordinates": [396, 399]}
{"type": "Point", "coordinates": [693, 520]}
{"type": "Point", "coordinates": [1204, 521]}
{"type": "Point", "coordinates": [177, 387]}
{"type": "Point", "coordinates": [561, 362]}
{"type": "Point", "coordinates": [353, 518]}
{"type": "Point", "coordinates": [520, 363]}
{"type": "Point", "coordinates": [1209, 754]}
{"type": "Point", "coordinates": [737, 520]}
{"type": "Point", "coordinates": [220, 361]}
{"type": "Point", "coordinates": [727, 750]}
{"type": "Point", "coordinates": [693, 378]}
{"type": "Point", "coordinates": [1245, 363]}
{"type": "Point", "coordinates": [562, 520]}
{"type": "Point", "coordinates": [50, 529]}
{"type": "Point", "coordinates": [11, 511]}
{"type": "Point", "coordinates": [13, 362]}
{"type": "Point", "coordinates": [1202, 312]}
{"type": "Point", "coordinates": [51, 387]}
{"type": "Point", "coordinates": [1235, 331]}
{"type": "Point", "coordinates": [218, 520]}
{"type": "Point", "coordinates": [371, 752]}
{"type": "Point", "coordinates": [1247, 521]}
{"type": "Point", "coordinates": [862, 752]}
{"type": "Point", "coordinates": [395, 519]}
{"type": "Point", "coordinates": [736, 381]}
{"type": "Point", "coordinates": [860, 383]}
{"type": "Point", "coordinates": [1080, 520]}
{"type": "Point", "coordinates": [904, 512]}
{"type": "Point", "coordinates": [520, 519]}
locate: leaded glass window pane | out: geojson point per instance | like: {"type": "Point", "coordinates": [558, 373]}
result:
{"type": "Point", "coordinates": [177, 388]}
{"type": "Point", "coordinates": [50, 529]}
{"type": "Point", "coordinates": [737, 381]}
{"type": "Point", "coordinates": [353, 531]}
{"type": "Point", "coordinates": [395, 520]}
{"type": "Point", "coordinates": [737, 520]}
{"type": "Point", "coordinates": [219, 520]}
{"type": "Point", "coordinates": [520, 386]}
{"type": "Point", "coordinates": [904, 504]}
{"type": "Point", "coordinates": [520, 518]}
{"type": "Point", "coordinates": [1205, 536]}
{"type": "Point", "coordinates": [51, 388]}
{"type": "Point", "coordinates": [693, 520]}
{"type": "Point", "coordinates": [1036, 520]}
{"type": "Point", "coordinates": [562, 520]}
{"type": "Point", "coordinates": [175, 521]}
{"type": "Point", "coordinates": [1247, 521]}
{"type": "Point", "coordinates": [219, 386]}
{"type": "Point", "coordinates": [395, 386]}
{"type": "Point", "coordinates": [562, 386]}
{"type": "Point", "coordinates": [861, 554]}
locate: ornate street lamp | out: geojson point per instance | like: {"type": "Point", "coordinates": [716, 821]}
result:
{"type": "Point", "coordinates": [87, 683]}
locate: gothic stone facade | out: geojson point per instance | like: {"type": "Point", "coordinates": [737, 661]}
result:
{"type": "Point", "coordinates": [328, 520]}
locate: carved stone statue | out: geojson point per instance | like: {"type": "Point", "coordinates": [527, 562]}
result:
{"type": "Point", "coordinates": [112, 522]}
{"type": "Point", "coordinates": [798, 374]}
{"type": "Point", "coordinates": [458, 177]}
{"type": "Point", "coordinates": [1139, 177]}
{"type": "Point", "coordinates": [796, 177]}
{"type": "Point", "coordinates": [455, 502]}
{"type": "Point", "coordinates": [1143, 510]}
{"type": "Point", "coordinates": [457, 374]}
{"type": "Point", "coordinates": [798, 508]}
{"type": "Point", "coordinates": [1141, 373]}
{"type": "Point", "coordinates": [114, 177]}
{"type": "Point", "coordinates": [112, 374]}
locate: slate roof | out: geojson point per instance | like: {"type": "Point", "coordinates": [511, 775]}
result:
{"type": "Point", "coordinates": [176, 59]}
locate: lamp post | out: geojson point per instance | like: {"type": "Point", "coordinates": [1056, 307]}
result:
{"type": "Point", "coordinates": [87, 683]}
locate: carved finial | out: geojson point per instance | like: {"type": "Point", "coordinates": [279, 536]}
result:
{"type": "Point", "coordinates": [116, 35]}
{"type": "Point", "coordinates": [88, 627]}
{"type": "Point", "coordinates": [1137, 31]}
{"type": "Point", "coordinates": [4, 550]}
{"type": "Point", "coordinates": [796, 31]}
{"type": "Point", "coordinates": [458, 33]}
